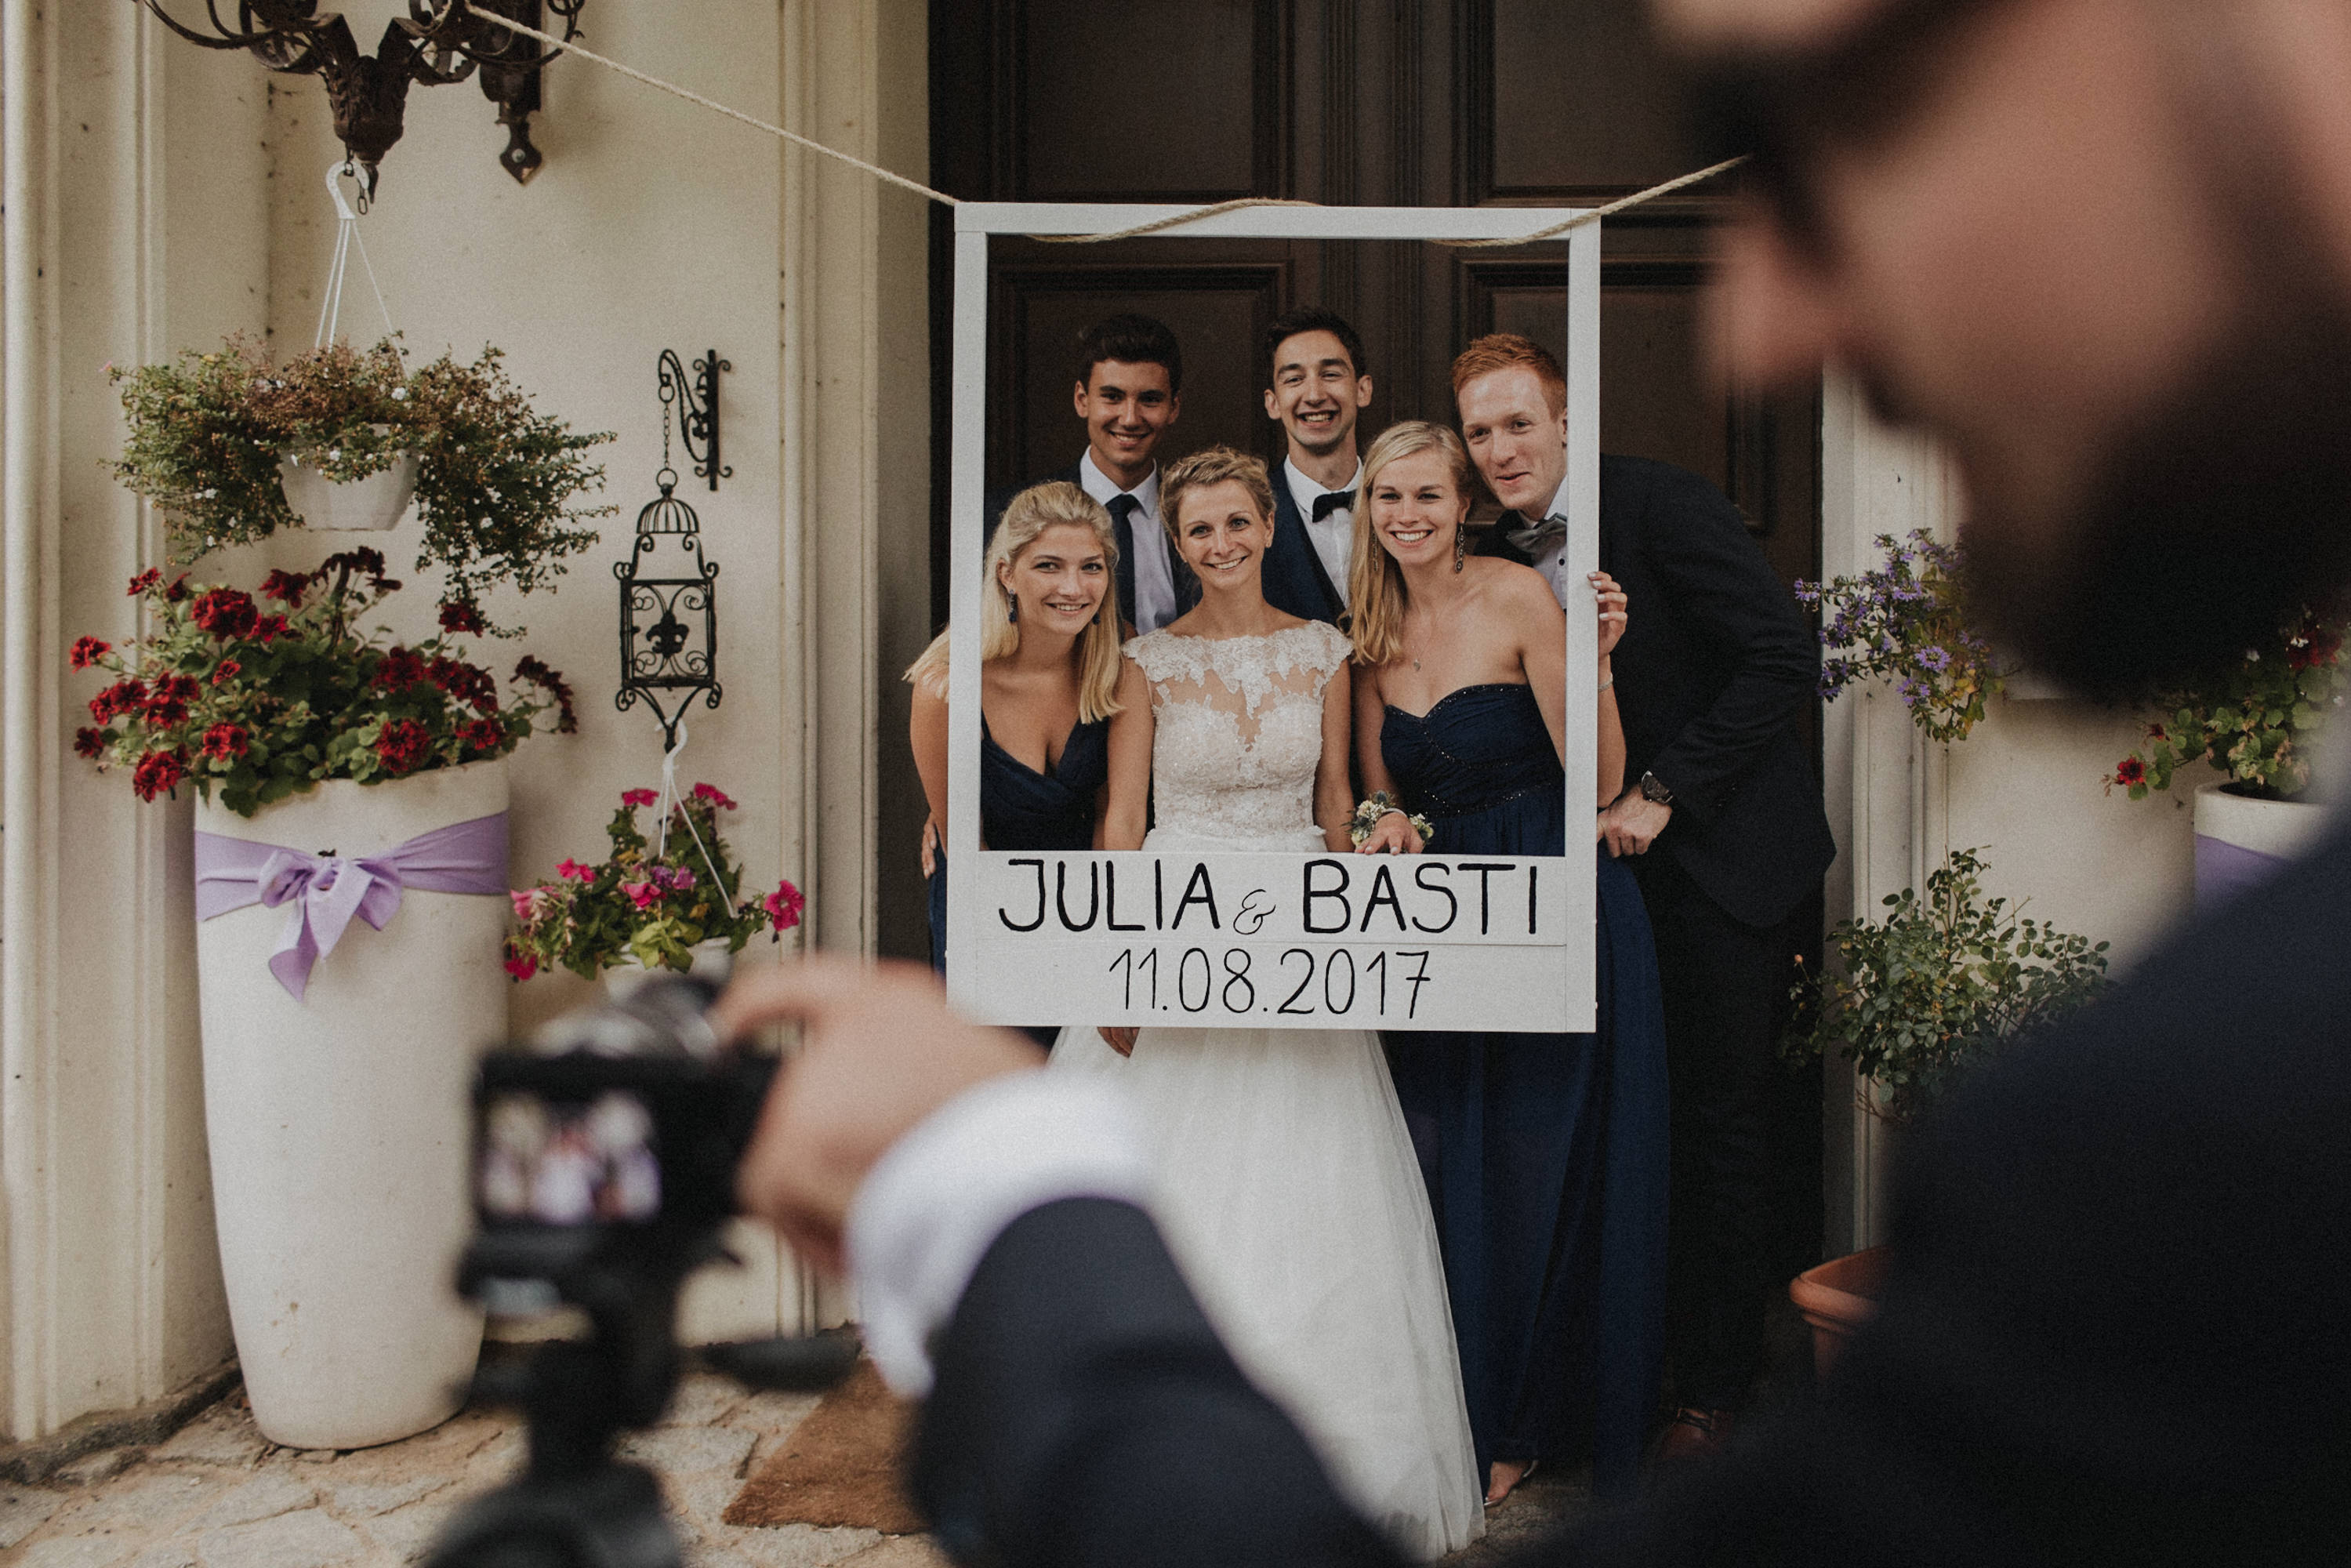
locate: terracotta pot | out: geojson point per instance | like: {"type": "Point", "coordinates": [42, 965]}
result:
{"type": "Point", "coordinates": [1837, 1298]}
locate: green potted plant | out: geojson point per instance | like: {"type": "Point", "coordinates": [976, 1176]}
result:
{"type": "Point", "coordinates": [675, 903]}
{"type": "Point", "coordinates": [234, 446]}
{"type": "Point", "coordinates": [345, 781]}
{"type": "Point", "coordinates": [2257, 720]}
{"type": "Point", "coordinates": [1917, 1001]}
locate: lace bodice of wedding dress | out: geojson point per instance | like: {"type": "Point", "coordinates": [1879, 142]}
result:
{"type": "Point", "coordinates": [1238, 729]}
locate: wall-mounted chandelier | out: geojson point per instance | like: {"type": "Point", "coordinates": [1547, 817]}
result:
{"type": "Point", "coordinates": [437, 43]}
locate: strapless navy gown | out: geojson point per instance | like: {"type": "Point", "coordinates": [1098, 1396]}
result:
{"type": "Point", "coordinates": [1545, 1154]}
{"type": "Point", "coordinates": [1021, 808]}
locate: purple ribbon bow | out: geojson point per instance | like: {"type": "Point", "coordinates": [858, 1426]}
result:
{"type": "Point", "coordinates": [326, 890]}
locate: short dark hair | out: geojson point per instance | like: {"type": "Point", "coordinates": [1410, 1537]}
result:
{"type": "Point", "coordinates": [1130, 340]}
{"type": "Point", "coordinates": [1313, 319]}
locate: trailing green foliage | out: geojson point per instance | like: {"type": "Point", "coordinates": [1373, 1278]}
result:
{"type": "Point", "coordinates": [1940, 984]}
{"type": "Point", "coordinates": [495, 483]}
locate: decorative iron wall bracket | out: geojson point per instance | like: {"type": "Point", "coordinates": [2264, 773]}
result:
{"type": "Point", "coordinates": [438, 43]}
{"type": "Point", "coordinates": [696, 398]}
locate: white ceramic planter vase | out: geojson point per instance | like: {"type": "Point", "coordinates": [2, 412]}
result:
{"type": "Point", "coordinates": [711, 962]}
{"type": "Point", "coordinates": [374, 503]}
{"type": "Point", "coordinates": [339, 1124]}
{"type": "Point", "coordinates": [2241, 841]}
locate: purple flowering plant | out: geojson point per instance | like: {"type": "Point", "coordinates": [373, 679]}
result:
{"type": "Point", "coordinates": [649, 900]}
{"type": "Point", "coordinates": [1906, 622]}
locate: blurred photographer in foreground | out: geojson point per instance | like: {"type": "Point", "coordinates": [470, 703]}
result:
{"type": "Point", "coordinates": [2104, 248]}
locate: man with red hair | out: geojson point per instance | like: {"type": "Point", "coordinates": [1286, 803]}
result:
{"type": "Point", "coordinates": [1721, 820]}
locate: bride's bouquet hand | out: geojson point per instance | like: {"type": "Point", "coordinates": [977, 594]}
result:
{"type": "Point", "coordinates": [1120, 1038]}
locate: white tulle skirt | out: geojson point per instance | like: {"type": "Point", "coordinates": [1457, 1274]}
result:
{"type": "Point", "coordinates": [1290, 1196]}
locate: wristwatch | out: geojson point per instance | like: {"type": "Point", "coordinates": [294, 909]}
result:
{"type": "Point", "coordinates": [1654, 788]}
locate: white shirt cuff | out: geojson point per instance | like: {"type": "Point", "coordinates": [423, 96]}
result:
{"type": "Point", "coordinates": [932, 1206]}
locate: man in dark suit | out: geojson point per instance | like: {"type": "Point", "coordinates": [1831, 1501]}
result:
{"type": "Point", "coordinates": [2114, 1330]}
{"type": "Point", "coordinates": [1722, 815]}
{"type": "Point", "coordinates": [1318, 388]}
{"type": "Point", "coordinates": [1130, 392]}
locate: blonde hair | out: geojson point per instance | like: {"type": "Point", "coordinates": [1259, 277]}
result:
{"type": "Point", "coordinates": [1216, 465]}
{"type": "Point", "coordinates": [1376, 597]}
{"type": "Point", "coordinates": [1035, 509]}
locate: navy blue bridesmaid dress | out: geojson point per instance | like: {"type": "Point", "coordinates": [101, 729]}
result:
{"type": "Point", "coordinates": [1022, 810]}
{"type": "Point", "coordinates": [1545, 1154]}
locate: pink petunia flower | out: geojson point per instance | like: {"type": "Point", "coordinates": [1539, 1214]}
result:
{"type": "Point", "coordinates": [640, 893]}
{"type": "Point", "coordinates": [639, 797]}
{"type": "Point", "coordinates": [712, 793]}
{"type": "Point", "coordinates": [521, 966]}
{"type": "Point", "coordinates": [574, 871]}
{"type": "Point", "coordinates": [783, 907]}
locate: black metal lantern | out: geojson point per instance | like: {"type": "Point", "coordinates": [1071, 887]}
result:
{"type": "Point", "coordinates": [669, 612]}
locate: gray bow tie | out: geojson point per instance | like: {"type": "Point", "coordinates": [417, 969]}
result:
{"type": "Point", "coordinates": [1534, 538]}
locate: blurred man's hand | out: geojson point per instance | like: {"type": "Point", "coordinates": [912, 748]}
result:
{"type": "Point", "coordinates": [880, 1052]}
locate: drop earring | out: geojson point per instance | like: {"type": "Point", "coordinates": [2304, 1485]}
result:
{"type": "Point", "coordinates": [1013, 614]}
{"type": "Point", "coordinates": [1460, 545]}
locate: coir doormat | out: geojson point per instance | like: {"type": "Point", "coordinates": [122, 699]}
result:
{"type": "Point", "coordinates": [840, 1467]}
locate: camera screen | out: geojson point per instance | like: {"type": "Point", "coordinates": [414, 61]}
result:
{"type": "Point", "coordinates": [558, 1162]}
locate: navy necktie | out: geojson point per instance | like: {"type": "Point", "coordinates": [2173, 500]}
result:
{"type": "Point", "coordinates": [1122, 509]}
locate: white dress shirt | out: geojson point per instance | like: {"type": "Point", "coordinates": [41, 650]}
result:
{"type": "Point", "coordinates": [1552, 564]}
{"type": "Point", "coordinates": [1334, 536]}
{"type": "Point", "coordinates": [1155, 574]}
{"type": "Point", "coordinates": [934, 1204]}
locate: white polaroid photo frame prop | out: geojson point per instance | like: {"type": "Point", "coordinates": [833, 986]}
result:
{"type": "Point", "coordinates": [1274, 941]}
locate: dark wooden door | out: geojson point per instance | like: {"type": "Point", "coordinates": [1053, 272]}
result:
{"type": "Point", "coordinates": [1372, 102]}
{"type": "Point", "coordinates": [1407, 102]}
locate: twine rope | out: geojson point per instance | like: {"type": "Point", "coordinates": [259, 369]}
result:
{"type": "Point", "coordinates": [1156, 226]}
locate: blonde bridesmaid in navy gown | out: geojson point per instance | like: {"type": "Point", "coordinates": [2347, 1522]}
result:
{"type": "Point", "coordinates": [1050, 692]}
{"type": "Point", "coordinates": [1544, 1155]}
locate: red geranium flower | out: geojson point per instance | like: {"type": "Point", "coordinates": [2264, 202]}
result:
{"type": "Point", "coordinates": [482, 734]}
{"type": "Point", "coordinates": [225, 612]}
{"type": "Point", "coordinates": [270, 628]}
{"type": "Point", "coordinates": [89, 743]}
{"type": "Point", "coordinates": [460, 618]}
{"type": "Point", "coordinates": [226, 671]}
{"type": "Point", "coordinates": [177, 591]}
{"type": "Point", "coordinates": [225, 741]}
{"type": "Point", "coordinates": [286, 588]}
{"type": "Point", "coordinates": [168, 702]}
{"type": "Point", "coordinates": [122, 698]}
{"type": "Point", "coordinates": [144, 580]}
{"type": "Point", "coordinates": [401, 668]}
{"type": "Point", "coordinates": [158, 772]}
{"type": "Point", "coordinates": [465, 683]}
{"type": "Point", "coordinates": [403, 743]}
{"type": "Point", "coordinates": [2130, 772]}
{"type": "Point", "coordinates": [88, 651]}
{"type": "Point", "coordinates": [537, 671]}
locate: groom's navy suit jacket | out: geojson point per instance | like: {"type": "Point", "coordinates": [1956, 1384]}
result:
{"type": "Point", "coordinates": [1293, 577]}
{"type": "Point", "coordinates": [1713, 675]}
{"type": "Point", "coordinates": [2114, 1331]}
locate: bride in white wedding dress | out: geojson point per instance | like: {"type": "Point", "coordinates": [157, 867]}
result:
{"type": "Point", "coordinates": [1286, 1180]}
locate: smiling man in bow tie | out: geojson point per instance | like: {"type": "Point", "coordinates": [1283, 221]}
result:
{"type": "Point", "coordinates": [1319, 387]}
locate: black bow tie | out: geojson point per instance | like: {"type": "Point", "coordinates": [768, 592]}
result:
{"type": "Point", "coordinates": [1331, 501]}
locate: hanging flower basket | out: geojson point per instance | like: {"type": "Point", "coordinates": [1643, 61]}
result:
{"type": "Point", "coordinates": [235, 445]}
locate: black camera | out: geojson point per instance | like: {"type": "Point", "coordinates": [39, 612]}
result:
{"type": "Point", "coordinates": [604, 1158]}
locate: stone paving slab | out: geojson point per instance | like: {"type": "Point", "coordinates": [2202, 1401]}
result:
{"type": "Point", "coordinates": [220, 1495]}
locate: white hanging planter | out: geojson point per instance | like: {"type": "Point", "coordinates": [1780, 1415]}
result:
{"type": "Point", "coordinates": [368, 505]}
{"type": "Point", "coordinates": [711, 962]}
{"type": "Point", "coordinates": [340, 1124]}
{"type": "Point", "coordinates": [2241, 841]}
